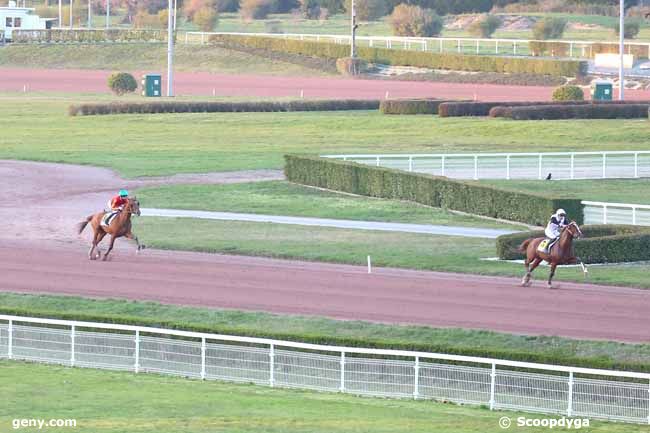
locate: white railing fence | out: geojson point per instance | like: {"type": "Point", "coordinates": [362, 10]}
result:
{"type": "Point", "coordinates": [499, 384]}
{"type": "Point", "coordinates": [561, 165]}
{"type": "Point", "coordinates": [596, 212]}
{"type": "Point", "coordinates": [513, 47]}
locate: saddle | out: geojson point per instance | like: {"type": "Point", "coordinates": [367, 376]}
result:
{"type": "Point", "coordinates": [108, 217]}
{"type": "Point", "coordinates": [546, 245]}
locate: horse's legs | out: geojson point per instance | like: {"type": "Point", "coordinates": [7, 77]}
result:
{"type": "Point", "coordinates": [130, 235]}
{"type": "Point", "coordinates": [97, 238]}
{"type": "Point", "coordinates": [110, 248]}
{"type": "Point", "coordinates": [529, 271]}
{"type": "Point", "coordinates": [550, 277]}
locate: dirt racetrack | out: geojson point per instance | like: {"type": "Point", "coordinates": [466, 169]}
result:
{"type": "Point", "coordinates": [207, 84]}
{"type": "Point", "coordinates": [34, 196]}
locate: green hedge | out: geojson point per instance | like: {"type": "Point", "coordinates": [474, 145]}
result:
{"type": "Point", "coordinates": [450, 61]}
{"type": "Point", "coordinates": [601, 244]}
{"type": "Point", "coordinates": [220, 107]}
{"type": "Point", "coordinates": [428, 190]}
{"type": "Point", "coordinates": [584, 111]}
{"type": "Point", "coordinates": [562, 49]}
{"type": "Point", "coordinates": [88, 36]}
{"type": "Point", "coordinates": [550, 357]}
{"type": "Point", "coordinates": [410, 106]}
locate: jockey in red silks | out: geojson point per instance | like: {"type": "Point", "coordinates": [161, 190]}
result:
{"type": "Point", "coordinates": [118, 202]}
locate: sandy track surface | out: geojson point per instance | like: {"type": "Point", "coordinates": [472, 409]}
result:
{"type": "Point", "coordinates": [39, 253]}
{"type": "Point", "coordinates": [207, 84]}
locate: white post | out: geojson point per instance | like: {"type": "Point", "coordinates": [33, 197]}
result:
{"type": "Point", "coordinates": [604, 165]}
{"type": "Point", "coordinates": [621, 49]}
{"type": "Point", "coordinates": [539, 168]}
{"type": "Point", "coordinates": [569, 409]}
{"type": "Point", "coordinates": [416, 387]}
{"type": "Point", "coordinates": [648, 403]}
{"type": "Point", "coordinates": [136, 365]}
{"type": "Point", "coordinates": [458, 45]}
{"type": "Point", "coordinates": [475, 167]}
{"type": "Point", "coordinates": [633, 215]}
{"type": "Point", "coordinates": [410, 163]}
{"type": "Point", "coordinates": [72, 346]}
{"type": "Point", "coordinates": [170, 49]}
{"type": "Point", "coordinates": [508, 167]}
{"type": "Point", "coordinates": [572, 166]}
{"type": "Point", "coordinates": [10, 339]}
{"type": "Point", "coordinates": [514, 48]}
{"type": "Point", "coordinates": [203, 358]}
{"type": "Point", "coordinates": [493, 376]}
{"type": "Point", "coordinates": [570, 49]}
{"type": "Point", "coordinates": [496, 47]}
{"type": "Point", "coordinates": [369, 266]}
{"type": "Point", "coordinates": [60, 13]}
{"type": "Point", "coordinates": [272, 365]}
{"type": "Point", "coordinates": [477, 48]}
{"type": "Point", "coordinates": [90, 15]}
{"type": "Point", "coordinates": [342, 385]}
{"type": "Point", "coordinates": [70, 14]}
{"type": "Point", "coordinates": [442, 163]}
{"type": "Point", "coordinates": [604, 214]}
{"type": "Point", "coordinates": [377, 160]}
{"type": "Point", "coordinates": [108, 13]}
{"type": "Point", "coordinates": [353, 30]}
{"type": "Point", "coordinates": [636, 165]}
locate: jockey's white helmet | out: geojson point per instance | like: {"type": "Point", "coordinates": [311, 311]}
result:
{"type": "Point", "coordinates": [560, 212]}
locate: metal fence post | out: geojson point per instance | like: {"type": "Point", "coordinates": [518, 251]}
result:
{"type": "Point", "coordinates": [72, 346]}
{"type": "Point", "coordinates": [136, 365]}
{"type": "Point", "coordinates": [572, 166]}
{"type": "Point", "coordinates": [514, 48]}
{"type": "Point", "coordinates": [648, 402]}
{"type": "Point", "coordinates": [604, 165]}
{"type": "Point", "coordinates": [539, 168]}
{"type": "Point", "coordinates": [416, 384]}
{"type": "Point", "coordinates": [410, 163]}
{"type": "Point", "coordinates": [569, 409]}
{"type": "Point", "coordinates": [508, 167]}
{"type": "Point", "coordinates": [342, 385]}
{"type": "Point", "coordinates": [10, 339]}
{"type": "Point", "coordinates": [633, 215]}
{"type": "Point", "coordinates": [377, 161]}
{"type": "Point", "coordinates": [203, 358]}
{"type": "Point", "coordinates": [442, 166]}
{"type": "Point", "coordinates": [604, 214]}
{"type": "Point", "coordinates": [636, 165]}
{"type": "Point", "coordinates": [458, 45]}
{"type": "Point", "coordinates": [496, 47]}
{"type": "Point", "coordinates": [493, 376]}
{"type": "Point", "coordinates": [272, 365]}
{"type": "Point", "coordinates": [475, 167]}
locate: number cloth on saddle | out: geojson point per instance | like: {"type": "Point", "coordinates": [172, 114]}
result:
{"type": "Point", "coordinates": [108, 217]}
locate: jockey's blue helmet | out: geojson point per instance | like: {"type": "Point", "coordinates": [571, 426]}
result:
{"type": "Point", "coordinates": [124, 193]}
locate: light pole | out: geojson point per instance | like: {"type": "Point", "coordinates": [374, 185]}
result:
{"type": "Point", "coordinates": [90, 14]}
{"type": "Point", "coordinates": [621, 50]}
{"type": "Point", "coordinates": [353, 31]}
{"type": "Point", "coordinates": [108, 13]}
{"type": "Point", "coordinates": [60, 14]}
{"type": "Point", "coordinates": [170, 49]}
{"type": "Point", "coordinates": [70, 14]}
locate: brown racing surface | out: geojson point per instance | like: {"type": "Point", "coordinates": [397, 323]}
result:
{"type": "Point", "coordinates": [39, 253]}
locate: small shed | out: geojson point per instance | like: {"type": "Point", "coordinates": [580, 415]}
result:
{"type": "Point", "coordinates": [13, 18]}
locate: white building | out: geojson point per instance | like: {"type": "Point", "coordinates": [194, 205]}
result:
{"type": "Point", "coordinates": [13, 18]}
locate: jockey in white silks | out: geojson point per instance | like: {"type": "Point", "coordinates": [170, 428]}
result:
{"type": "Point", "coordinates": [557, 222]}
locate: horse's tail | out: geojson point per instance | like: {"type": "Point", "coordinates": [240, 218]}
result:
{"type": "Point", "coordinates": [524, 245]}
{"type": "Point", "coordinates": [82, 225]}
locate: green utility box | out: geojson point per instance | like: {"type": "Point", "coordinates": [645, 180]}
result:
{"type": "Point", "coordinates": [602, 91]}
{"type": "Point", "coordinates": [152, 85]}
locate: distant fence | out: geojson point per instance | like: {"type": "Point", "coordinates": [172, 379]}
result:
{"type": "Point", "coordinates": [511, 47]}
{"type": "Point", "coordinates": [596, 212]}
{"type": "Point", "coordinates": [499, 384]}
{"type": "Point", "coordinates": [560, 165]}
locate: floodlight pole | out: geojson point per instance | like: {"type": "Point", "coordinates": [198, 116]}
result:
{"type": "Point", "coordinates": [621, 50]}
{"type": "Point", "coordinates": [170, 49]}
{"type": "Point", "coordinates": [90, 14]}
{"type": "Point", "coordinates": [353, 31]}
{"type": "Point", "coordinates": [108, 13]}
{"type": "Point", "coordinates": [60, 14]}
{"type": "Point", "coordinates": [70, 14]}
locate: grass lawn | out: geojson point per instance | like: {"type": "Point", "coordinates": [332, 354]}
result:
{"type": "Point", "coordinates": [165, 144]}
{"type": "Point", "coordinates": [323, 330]}
{"type": "Point", "coordinates": [402, 250]}
{"type": "Point", "coordinates": [284, 198]}
{"type": "Point", "coordinates": [105, 401]}
{"type": "Point", "coordinates": [610, 190]}
{"type": "Point", "coordinates": [146, 57]}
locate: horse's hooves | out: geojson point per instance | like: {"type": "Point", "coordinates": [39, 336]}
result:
{"type": "Point", "coordinates": [143, 246]}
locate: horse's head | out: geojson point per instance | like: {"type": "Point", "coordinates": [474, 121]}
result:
{"type": "Point", "coordinates": [133, 206]}
{"type": "Point", "coordinates": [574, 230]}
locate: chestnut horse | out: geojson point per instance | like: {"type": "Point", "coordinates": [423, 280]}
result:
{"type": "Point", "coordinates": [561, 253]}
{"type": "Point", "coordinates": [119, 226]}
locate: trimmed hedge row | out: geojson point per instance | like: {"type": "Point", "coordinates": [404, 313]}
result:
{"type": "Point", "coordinates": [459, 108]}
{"type": "Point", "coordinates": [220, 107]}
{"type": "Point", "coordinates": [585, 111]}
{"type": "Point", "coordinates": [410, 106]}
{"type": "Point", "coordinates": [450, 61]}
{"type": "Point", "coordinates": [601, 244]}
{"type": "Point", "coordinates": [88, 36]}
{"type": "Point", "coordinates": [554, 357]}
{"type": "Point", "coordinates": [562, 49]}
{"type": "Point", "coordinates": [429, 190]}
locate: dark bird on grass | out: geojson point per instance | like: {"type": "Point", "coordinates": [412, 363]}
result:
{"type": "Point", "coordinates": [549, 176]}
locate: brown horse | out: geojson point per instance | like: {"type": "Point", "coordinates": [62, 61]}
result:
{"type": "Point", "coordinates": [561, 253]}
{"type": "Point", "coordinates": [119, 226]}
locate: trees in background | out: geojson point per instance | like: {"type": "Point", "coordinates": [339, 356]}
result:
{"type": "Point", "coordinates": [549, 28]}
{"type": "Point", "coordinates": [485, 26]}
{"type": "Point", "coordinates": [409, 20]}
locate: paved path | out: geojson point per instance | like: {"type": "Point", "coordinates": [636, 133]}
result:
{"type": "Point", "coordinates": [323, 222]}
{"type": "Point", "coordinates": [204, 84]}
